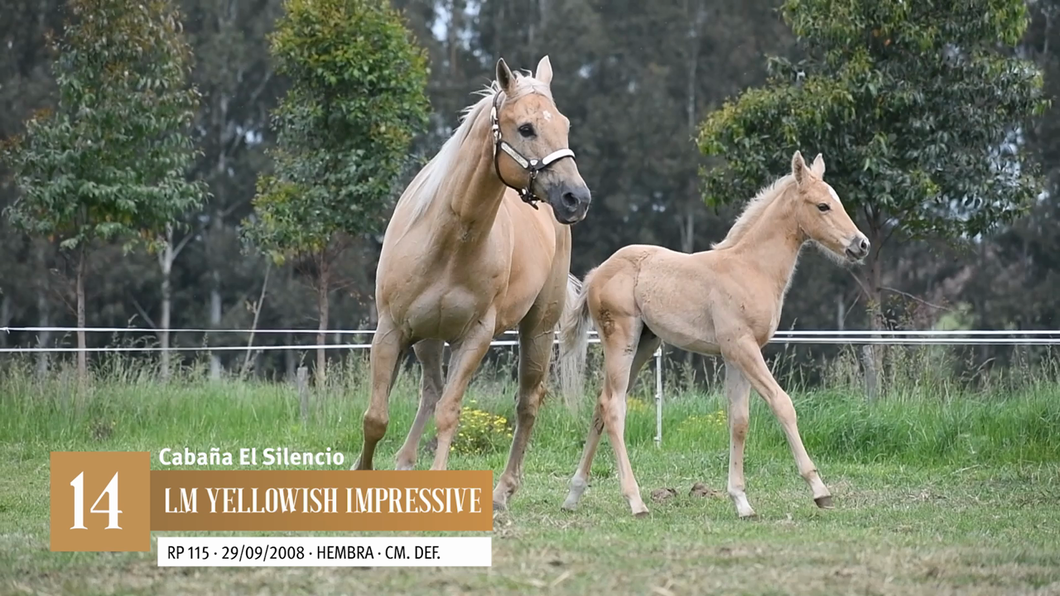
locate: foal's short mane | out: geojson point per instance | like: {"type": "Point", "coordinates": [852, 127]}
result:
{"type": "Point", "coordinates": [754, 209]}
{"type": "Point", "coordinates": [426, 186]}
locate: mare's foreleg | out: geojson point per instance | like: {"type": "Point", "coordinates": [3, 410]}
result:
{"type": "Point", "coordinates": [535, 354]}
{"type": "Point", "coordinates": [429, 353]}
{"type": "Point", "coordinates": [388, 345]}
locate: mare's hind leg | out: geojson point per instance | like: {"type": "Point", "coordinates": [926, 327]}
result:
{"type": "Point", "coordinates": [580, 481]}
{"type": "Point", "coordinates": [429, 353]}
{"type": "Point", "coordinates": [466, 356]}
{"type": "Point", "coordinates": [388, 345]}
{"type": "Point", "coordinates": [747, 355]}
{"type": "Point", "coordinates": [738, 392]}
{"type": "Point", "coordinates": [535, 354]}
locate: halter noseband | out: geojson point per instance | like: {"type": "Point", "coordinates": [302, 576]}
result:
{"type": "Point", "coordinates": [533, 166]}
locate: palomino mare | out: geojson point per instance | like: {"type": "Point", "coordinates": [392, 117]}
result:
{"type": "Point", "coordinates": [723, 301]}
{"type": "Point", "coordinates": [469, 254]}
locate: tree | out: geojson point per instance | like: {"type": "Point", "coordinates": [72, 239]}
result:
{"type": "Point", "coordinates": [109, 163]}
{"type": "Point", "coordinates": [343, 132]}
{"type": "Point", "coordinates": [919, 108]}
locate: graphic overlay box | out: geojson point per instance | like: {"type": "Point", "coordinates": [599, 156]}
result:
{"type": "Point", "coordinates": [321, 500]}
{"type": "Point", "coordinates": [112, 501]}
{"type": "Point", "coordinates": [100, 501]}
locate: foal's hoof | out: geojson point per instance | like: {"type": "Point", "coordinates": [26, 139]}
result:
{"type": "Point", "coordinates": [499, 506]}
{"type": "Point", "coordinates": [748, 516]}
{"type": "Point", "coordinates": [641, 514]}
{"type": "Point", "coordinates": [824, 502]}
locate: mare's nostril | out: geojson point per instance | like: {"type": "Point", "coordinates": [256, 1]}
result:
{"type": "Point", "coordinates": [569, 200]}
{"type": "Point", "coordinates": [864, 245]}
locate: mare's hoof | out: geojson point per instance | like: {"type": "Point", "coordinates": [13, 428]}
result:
{"type": "Point", "coordinates": [498, 506]}
{"type": "Point", "coordinates": [749, 516]}
{"type": "Point", "coordinates": [824, 502]}
{"type": "Point", "coordinates": [641, 514]}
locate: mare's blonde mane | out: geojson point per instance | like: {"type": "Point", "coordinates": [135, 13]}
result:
{"type": "Point", "coordinates": [754, 210]}
{"type": "Point", "coordinates": [427, 185]}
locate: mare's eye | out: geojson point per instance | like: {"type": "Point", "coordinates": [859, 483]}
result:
{"type": "Point", "coordinates": [526, 130]}
{"type": "Point", "coordinates": [822, 207]}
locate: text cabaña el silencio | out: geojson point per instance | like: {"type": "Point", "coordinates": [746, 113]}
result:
{"type": "Point", "coordinates": [249, 457]}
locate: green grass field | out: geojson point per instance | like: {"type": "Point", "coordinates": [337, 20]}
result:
{"type": "Point", "coordinates": [954, 493]}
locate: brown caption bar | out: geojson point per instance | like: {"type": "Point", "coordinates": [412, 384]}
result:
{"type": "Point", "coordinates": [321, 500]}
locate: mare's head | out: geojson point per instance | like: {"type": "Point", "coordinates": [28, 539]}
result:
{"type": "Point", "coordinates": [820, 214]}
{"type": "Point", "coordinates": [529, 123]}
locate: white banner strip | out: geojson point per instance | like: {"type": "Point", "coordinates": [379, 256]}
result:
{"type": "Point", "coordinates": [324, 551]}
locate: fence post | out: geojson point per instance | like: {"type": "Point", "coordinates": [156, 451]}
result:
{"type": "Point", "coordinates": [302, 381]}
{"type": "Point", "coordinates": [658, 396]}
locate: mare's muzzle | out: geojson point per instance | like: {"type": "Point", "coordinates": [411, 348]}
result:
{"type": "Point", "coordinates": [569, 202]}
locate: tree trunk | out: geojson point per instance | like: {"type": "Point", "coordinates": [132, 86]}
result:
{"type": "Point", "coordinates": [82, 364]}
{"type": "Point", "coordinates": [322, 310]}
{"type": "Point", "coordinates": [215, 322]}
{"type": "Point", "coordinates": [5, 318]}
{"type": "Point", "coordinates": [44, 314]}
{"type": "Point", "coordinates": [872, 354]}
{"type": "Point", "coordinates": [167, 299]}
{"type": "Point", "coordinates": [289, 357]}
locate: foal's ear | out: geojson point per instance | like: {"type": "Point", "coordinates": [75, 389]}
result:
{"type": "Point", "coordinates": [544, 71]}
{"type": "Point", "coordinates": [818, 166]}
{"type": "Point", "coordinates": [798, 167]}
{"type": "Point", "coordinates": [504, 75]}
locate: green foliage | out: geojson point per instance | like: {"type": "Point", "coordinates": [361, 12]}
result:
{"type": "Point", "coordinates": [344, 128]}
{"type": "Point", "coordinates": [917, 107]}
{"type": "Point", "coordinates": [110, 161]}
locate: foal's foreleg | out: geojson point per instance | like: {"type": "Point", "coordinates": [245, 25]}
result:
{"type": "Point", "coordinates": [429, 353]}
{"type": "Point", "coordinates": [580, 481]}
{"type": "Point", "coordinates": [747, 355]}
{"type": "Point", "coordinates": [738, 392]}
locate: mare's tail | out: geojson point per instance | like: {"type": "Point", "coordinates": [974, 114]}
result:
{"type": "Point", "coordinates": [573, 329]}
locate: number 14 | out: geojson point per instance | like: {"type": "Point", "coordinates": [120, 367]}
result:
{"type": "Point", "coordinates": [112, 510]}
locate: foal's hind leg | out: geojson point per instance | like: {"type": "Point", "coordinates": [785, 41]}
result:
{"type": "Point", "coordinates": [747, 355]}
{"type": "Point", "coordinates": [620, 345]}
{"type": "Point", "coordinates": [580, 481]}
{"type": "Point", "coordinates": [429, 353]}
{"type": "Point", "coordinates": [388, 345]}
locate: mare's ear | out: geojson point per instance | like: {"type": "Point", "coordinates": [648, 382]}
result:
{"type": "Point", "coordinates": [798, 167]}
{"type": "Point", "coordinates": [505, 78]}
{"type": "Point", "coordinates": [818, 166]}
{"type": "Point", "coordinates": [544, 71]}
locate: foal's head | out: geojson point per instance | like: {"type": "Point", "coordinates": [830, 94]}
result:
{"type": "Point", "coordinates": [820, 214]}
{"type": "Point", "coordinates": [532, 125]}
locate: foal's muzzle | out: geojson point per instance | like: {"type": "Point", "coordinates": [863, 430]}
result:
{"type": "Point", "coordinates": [858, 248]}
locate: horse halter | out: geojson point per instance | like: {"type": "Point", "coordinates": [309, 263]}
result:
{"type": "Point", "coordinates": [533, 166]}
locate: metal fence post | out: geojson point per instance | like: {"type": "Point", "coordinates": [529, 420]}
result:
{"type": "Point", "coordinates": [658, 396]}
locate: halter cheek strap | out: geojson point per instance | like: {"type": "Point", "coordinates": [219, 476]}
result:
{"type": "Point", "coordinates": [532, 166]}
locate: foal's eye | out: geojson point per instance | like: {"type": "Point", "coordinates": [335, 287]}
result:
{"type": "Point", "coordinates": [526, 130]}
{"type": "Point", "coordinates": [822, 207]}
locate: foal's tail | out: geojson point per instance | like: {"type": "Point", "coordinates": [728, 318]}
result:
{"type": "Point", "coordinates": [574, 338]}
